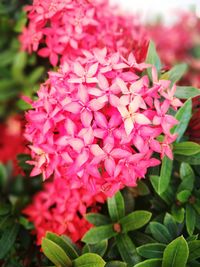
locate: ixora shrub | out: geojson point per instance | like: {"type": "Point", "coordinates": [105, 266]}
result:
{"type": "Point", "coordinates": [116, 238]}
{"type": "Point", "coordinates": [109, 115]}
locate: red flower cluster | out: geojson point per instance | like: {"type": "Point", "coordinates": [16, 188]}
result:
{"type": "Point", "coordinates": [12, 141]}
{"type": "Point", "coordinates": [61, 209]}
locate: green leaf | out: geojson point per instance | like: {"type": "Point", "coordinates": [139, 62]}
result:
{"type": "Point", "coordinates": [186, 172]}
{"type": "Point", "coordinates": [97, 219]}
{"type": "Point", "coordinates": [116, 207]}
{"type": "Point", "coordinates": [127, 249]}
{"type": "Point", "coordinates": [186, 148]}
{"type": "Point", "coordinates": [135, 220]}
{"type": "Point", "coordinates": [178, 213]}
{"type": "Point", "coordinates": [167, 195]}
{"type": "Point", "coordinates": [4, 209]}
{"type": "Point", "coordinates": [171, 225]}
{"type": "Point", "coordinates": [160, 232]}
{"type": "Point", "coordinates": [8, 239]}
{"type": "Point", "coordinates": [193, 159]}
{"type": "Point", "coordinates": [176, 73]}
{"type": "Point", "coordinates": [35, 75]}
{"type": "Point", "coordinates": [99, 248]}
{"type": "Point", "coordinates": [190, 219]}
{"type": "Point", "coordinates": [116, 264]}
{"type": "Point", "coordinates": [153, 58]}
{"type": "Point", "coordinates": [194, 249]}
{"type": "Point", "coordinates": [176, 253]}
{"type": "Point", "coordinates": [187, 176]}
{"type": "Point", "coordinates": [142, 188]}
{"type": "Point", "coordinates": [165, 175]}
{"type": "Point", "coordinates": [89, 260]}
{"type": "Point", "coordinates": [150, 263]}
{"type": "Point", "coordinates": [185, 92]}
{"type": "Point", "coordinates": [183, 196]}
{"type": "Point", "coordinates": [3, 175]}
{"type": "Point", "coordinates": [64, 244]}
{"type": "Point", "coordinates": [55, 253]}
{"type": "Point", "coordinates": [97, 234]}
{"type": "Point", "coordinates": [152, 250]}
{"type": "Point", "coordinates": [183, 116]}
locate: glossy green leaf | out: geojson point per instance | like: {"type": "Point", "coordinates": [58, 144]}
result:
{"type": "Point", "coordinates": [187, 176]}
{"type": "Point", "coordinates": [127, 249]}
{"type": "Point", "coordinates": [190, 218]}
{"type": "Point", "coordinates": [183, 116]}
{"type": "Point", "coordinates": [192, 160]}
{"type": "Point", "coordinates": [116, 207]}
{"type": "Point", "coordinates": [8, 239]}
{"type": "Point", "coordinates": [152, 250]}
{"type": "Point", "coordinates": [165, 175]}
{"type": "Point", "coordinates": [186, 148]}
{"type": "Point", "coordinates": [99, 248]}
{"type": "Point", "coordinates": [194, 249]}
{"type": "Point", "coordinates": [160, 232]}
{"type": "Point", "coordinates": [150, 263]}
{"type": "Point", "coordinates": [176, 253]}
{"type": "Point", "coordinates": [171, 225]}
{"type": "Point", "coordinates": [89, 260]}
{"type": "Point", "coordinates": [176, 73]}
{"type": "Point", "coordinates": [55, 253]}
{"type": "Point", "coordinates": [116, 264]}
{"type": "Point", "coordinates": [183, 196]}
{"type": "Point", "coordinates": [135, 220]}
{"type": "Point", "coordinates": [64, 244]}
{"type": "Point", "coordinates": [153, 58]}
{"type": "Point", "coordinates": [97, 219]}
{"type": "Point", "coordinates": [178, 213]}
{"type": "Point", "coordinates": [142, 189]}
{"type": "Point", "coordinates": [185, 92]}
{"type": "Point", "coordinates": [97, 234]}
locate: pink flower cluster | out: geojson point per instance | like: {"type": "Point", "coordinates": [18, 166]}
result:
{"type": "Point", "coordinates": [59, 209]}
{"type": "Point", "coordinates": [98, 121]}
{"type": "Point", "coordinates": [58, 29]}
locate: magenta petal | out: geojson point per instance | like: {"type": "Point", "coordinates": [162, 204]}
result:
{"type": "Point", "coordinates": [110, 166]}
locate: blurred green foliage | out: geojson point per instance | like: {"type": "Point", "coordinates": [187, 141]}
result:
{"type": "Point", "coordinates": [20, 74]}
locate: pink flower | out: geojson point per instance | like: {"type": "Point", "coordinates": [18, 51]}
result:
{"type": "Point", "coordinates": [99, 129]}
{"type": "Point", "coordinates": [63, 29]}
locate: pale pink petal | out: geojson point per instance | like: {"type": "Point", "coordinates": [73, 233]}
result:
{"type": "Point", "coordinates": [122, 86]}
{"type": "Point", "coordinates": [141, 119]}
{"type": "Point", "coordinates": [96, 150]}
{"type": "Point", "coordinates": [100, 120]}
{"type": "Point", "coordinates": [92, 70]}
{"type": "Point", "coordinates": [73, 107]}
{"type": "Point", "coordinates": [123, 111]}
{"type": "Point", "coordinates": [70, 127]}
{"type": "Point", "coordinates": [76, 143]}
{"type": "Point", "coordinates": [103, 82]}
{"type": "Point", "coordinates": [128, 125]}
{"type": "Point", "coordinates": [97, 104]}
{"type": "Point", "coordinates": [83, 94]}
{"type": "Point", "coordinates": [86, 118]}
{"type": "Point", "coordinates": [135, 104]}
{"type": "Point", "coordinates": [78, 69]}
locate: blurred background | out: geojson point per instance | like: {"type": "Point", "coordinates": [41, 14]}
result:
{"type": "Point", "coordinates": [150, 9]}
